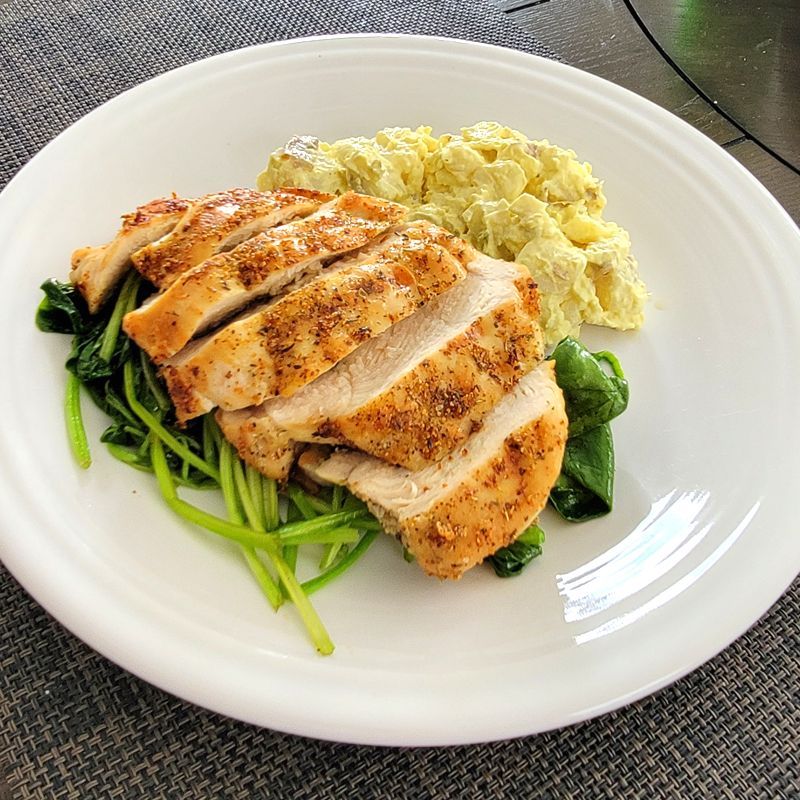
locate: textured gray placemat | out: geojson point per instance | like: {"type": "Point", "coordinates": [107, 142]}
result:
{"type": "Point", "coordinates": [72, 725]}
{"type": "Point", "coordinates": [62, 59]}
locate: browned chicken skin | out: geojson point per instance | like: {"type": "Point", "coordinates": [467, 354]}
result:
{"type": "Point", "coordinates": [168, 236]}
{"type": "Point", "coordinates": [455, 513]}
{"type": "Point", "coordinates": [414, 393]}
{"type": "Point", "coordinates": [218, 222]}
{"type": "Point", "coordinates": [261, 266]}
{"type": "Point", "coordinates": [286, 344]}
{"type": "Point", "coordinates": [96, 271]}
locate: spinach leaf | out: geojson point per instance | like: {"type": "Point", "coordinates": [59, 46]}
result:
{"type": "Point", "coordinates": [123, 434]}
{"type": "Point", "coordinates": [62, 309]}
{"type": "Point", "coordinates": [585, 488]}
{"type": "Point", "coordinates": [510, 561]}
{"type": "Point", "coordinates": [86, 361]}
{"type": "Point", "coordinates": [592, 396]}
{"type": "Point", "coordinates": [114, 405]}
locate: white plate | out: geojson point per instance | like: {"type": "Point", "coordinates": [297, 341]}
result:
{"type": "Point", "coordinates": [699, 544]}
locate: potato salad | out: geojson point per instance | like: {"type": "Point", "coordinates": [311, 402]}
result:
{"type": "Point", "coordinates": [512, 197]}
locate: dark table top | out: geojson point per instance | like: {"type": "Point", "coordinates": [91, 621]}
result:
{"type": "Point", "coordinates": [745, 58]}
{"type": "Point", "coordinates": [73, 725]}
{"type": "Point", "coordinates": [634, 44]}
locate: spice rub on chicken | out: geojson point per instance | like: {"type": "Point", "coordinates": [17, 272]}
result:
{"type": "Point", "coordinates": [284, 345]}
{"type": "Point", "coordinates": [261, 266]}
{"type": "Point", "coordinates": [337, 338]}
{"type": "Point", "coordinates": [167, 236]}
{"type": "Point", "coordinates": [414, 393]}
{"type": "Point", "coordinates": [96, 271]}
{"type": "Point", "coordinates": [453, 514]}
{"type": "Point", "coordinates": [218, 222]}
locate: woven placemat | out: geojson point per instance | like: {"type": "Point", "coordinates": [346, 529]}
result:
{"type": "Point", "coordinates": [62, 59]}
{"type": "Point", "coordinates": [73, 725]}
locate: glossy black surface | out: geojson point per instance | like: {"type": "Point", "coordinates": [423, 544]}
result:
{"type": "Point", "coordinates": [610, 39]}
{"type": "Point", "coordinates": [743, 56]}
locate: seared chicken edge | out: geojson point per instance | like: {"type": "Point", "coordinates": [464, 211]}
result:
{"type": "Point", "coordinates": [455, 514]}
{"type": "Point", "coordinates": [413, 393]}
{"type": "Point", "coordinates": [279, 348]}
{"type": "Point", "coordinates": [264, 265]}
{"type": "Point", "coordinates": [96, 271]}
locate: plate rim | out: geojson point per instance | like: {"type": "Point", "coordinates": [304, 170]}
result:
{"type": "Point", "coordinates": [28, 570]}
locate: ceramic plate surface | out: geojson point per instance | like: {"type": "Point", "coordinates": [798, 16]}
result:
{"type": "Point", "coordinates": [702, 538]}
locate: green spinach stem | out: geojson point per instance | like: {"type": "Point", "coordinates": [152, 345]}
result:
{"type": "Point", "coordinates": [76, 432]}
{"type": "Point", "coordinates": [292, 588]}
{"type": "Point", "coordinates": [253, 477]}
{"type": "Point", "coordinates": [332, 550]}
{"type": "Point", "coordinates": [316, 583]}
{"type": "Point", "coordinates": [125, 302]}
{"type": "Point", "coordinates": [159, 430]}
{"type": "Point", "coordinates": [228, 485]}
{"type": "Point", "coordinates": [269, 490]}
{"type": "Point", "coordinates": [159, 395]}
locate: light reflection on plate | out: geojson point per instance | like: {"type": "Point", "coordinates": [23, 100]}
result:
{"type": "Point", "coordinates": [676, 588]}
{"type": "Point", "coordinates": [670, 531]}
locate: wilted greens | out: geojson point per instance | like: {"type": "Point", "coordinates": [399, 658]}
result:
{"type": "Point", "coordinates": [62, 309]}
{"type": "Point", "coordinates": [592, 396]}
{"type": "Point", "coordinates": [121, 381]}
{"type": "Point", "coordinates": [585, 488]}
{"type": "Point", "coordinates": [510, 561]}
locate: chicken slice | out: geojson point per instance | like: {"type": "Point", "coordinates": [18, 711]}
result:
{"type": "Point", "coordinates": [96, 271]}
{"type": "Point", "coordinates": [413, 394]}
{"type": "Point", "coordinates": [285, 344]}
{"type": "Point", "coordinates": [218, 222]}
{"type": "Point", "coordinates": [456, 513]}
{"type": "Point", "coordinates": [261, 266]}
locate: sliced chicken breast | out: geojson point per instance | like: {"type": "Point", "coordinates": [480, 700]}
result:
{"type": "Point", "coordinates": [456, 513]}
{"type": "Point", "coordinates": [413, 394]}
{"type": "Point", "coordinates": [261, 266]}
{"type": "Point", "coordinates": [218, 222]}
{"type": "Point", "coordinates": [96, 271]}
{"type": "Point", "coordinates": [286, 344]}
